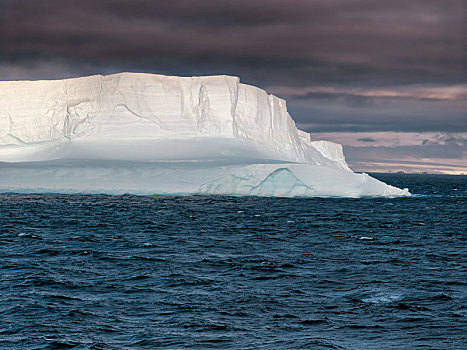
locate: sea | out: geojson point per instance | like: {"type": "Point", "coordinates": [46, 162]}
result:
{"type": "Point", "coordinates": [207, 272]}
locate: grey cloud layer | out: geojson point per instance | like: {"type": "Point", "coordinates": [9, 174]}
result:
{"type": "Point", "coordinates": [301, 41]}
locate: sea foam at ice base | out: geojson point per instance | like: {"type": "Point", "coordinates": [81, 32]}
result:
{"type": "Point", "coordinates": [152, 134]}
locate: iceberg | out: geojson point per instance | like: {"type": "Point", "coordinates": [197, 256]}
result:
{"type": "Point", "coordinates": [147, 134]}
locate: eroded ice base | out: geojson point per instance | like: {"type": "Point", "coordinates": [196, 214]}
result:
{"type": "Point", "coordinates": [188, 177]}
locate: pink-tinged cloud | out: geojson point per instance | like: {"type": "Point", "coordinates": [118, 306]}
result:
{"type": "Point", "coordinates": [409, 152]}
{"type": "Point", "coordinates": [449, 92]}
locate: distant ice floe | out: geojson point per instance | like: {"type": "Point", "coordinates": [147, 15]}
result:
{"type": "Point", "coordinates": [158, 135]}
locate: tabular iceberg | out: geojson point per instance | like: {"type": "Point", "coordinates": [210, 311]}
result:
{"type": "Point", "coordinates": [152, 134]}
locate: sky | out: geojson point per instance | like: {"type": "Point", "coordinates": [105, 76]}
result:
{"type": "Point", "coordinates": [387, 79]}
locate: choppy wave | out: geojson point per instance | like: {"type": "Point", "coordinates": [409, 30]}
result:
{"type": "Point", "coordinates": [144, 272]}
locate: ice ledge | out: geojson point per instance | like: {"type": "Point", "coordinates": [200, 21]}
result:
{"type": "Point", "coordinates": [189, 178]}
{"type": "Point", "coordinates": [299, 180]}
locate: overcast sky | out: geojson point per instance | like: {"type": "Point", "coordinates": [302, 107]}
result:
{"type": "Point", "coordinates": [388, 79]}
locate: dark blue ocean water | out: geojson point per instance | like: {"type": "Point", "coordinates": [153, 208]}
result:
{"type": "Point", "coordinates": [129, 272]}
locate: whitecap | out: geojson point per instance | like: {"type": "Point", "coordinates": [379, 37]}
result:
{"type": "Point", "coordinates": [382, 298]}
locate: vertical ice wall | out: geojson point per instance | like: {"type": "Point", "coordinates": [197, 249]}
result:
{"type": "Point", "coordinates": [138, 106]}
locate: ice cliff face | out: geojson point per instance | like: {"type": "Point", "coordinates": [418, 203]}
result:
{"type": "Point", "coordinates": [130, 106]}
{"type": "Point", "coordinates": [153, 134]}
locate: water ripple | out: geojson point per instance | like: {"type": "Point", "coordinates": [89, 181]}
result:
{"type": "Point", "coordinates": [120, 272]}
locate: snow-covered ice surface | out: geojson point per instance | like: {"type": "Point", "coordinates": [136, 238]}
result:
{"type": "Point", "coordinates": [153, 134]}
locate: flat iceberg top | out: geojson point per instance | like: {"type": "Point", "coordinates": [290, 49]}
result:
{"type": "Point", "coordinates": [142, 119]}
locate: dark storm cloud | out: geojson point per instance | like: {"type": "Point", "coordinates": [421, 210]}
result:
{"type": "Point", "coordinates": [388, 115]}
{"type": "Point", "coordinates": [301, 41]}
{"type": "Point", "coordinates": [269, 43]}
